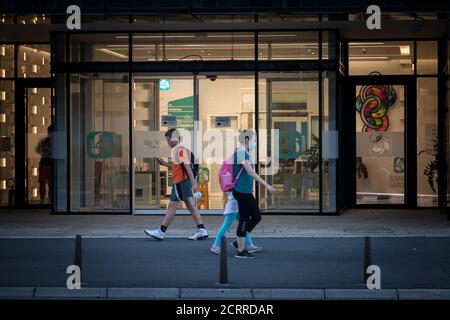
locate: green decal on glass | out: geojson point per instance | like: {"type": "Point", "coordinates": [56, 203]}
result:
{"type": "Point", "coordinates": [183, 110]}
{"type": "Point", "coordinates": [203, 175]}
{"type": "Point", "coordinates": [100, 144]}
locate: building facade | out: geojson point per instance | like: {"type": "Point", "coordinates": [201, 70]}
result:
{"type": "Point", "coordinates": [349, 116]}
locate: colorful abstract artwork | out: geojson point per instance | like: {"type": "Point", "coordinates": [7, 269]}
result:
{"type": "Point", "coordinates": [373, 103]}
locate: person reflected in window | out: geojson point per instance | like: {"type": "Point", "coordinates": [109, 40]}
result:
{"type": "Point", "coordinates": [44, 148]}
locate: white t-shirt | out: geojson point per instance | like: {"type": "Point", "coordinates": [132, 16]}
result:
{"type": "Point", "coordinates": [231, 206]}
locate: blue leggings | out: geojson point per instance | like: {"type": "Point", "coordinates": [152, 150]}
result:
{"type": "Point", "coordinates": [227, 222]}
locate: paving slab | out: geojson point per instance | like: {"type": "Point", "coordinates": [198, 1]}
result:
{"type": "Point", "coordinates": [360, 294]}
{"type": "Point", "coordinates": [16, 292]}
{"type": "Point", "coordinates": [64, 293]}
{"type": "Point", "coordinates": [211, 293]}
{"type": "Point", "coordinates": [424, 294]}
{"type": "Point", "coordinates": [288, 294]}
{"type": "Point", "coordinates": [144, 293]}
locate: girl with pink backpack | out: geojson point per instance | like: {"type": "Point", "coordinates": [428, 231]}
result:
{"type": "Point", "coordinates": [236, 176]}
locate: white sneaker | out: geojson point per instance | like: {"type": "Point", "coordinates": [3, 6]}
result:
{"type": "Point", "coordinates": [157, 233]}
{"type": "Point", "coordinates": [200, 234]}
{"type": "Point", "coordinates": [215, 249]}
{"type": "Point", "coordinates": [253, 249]}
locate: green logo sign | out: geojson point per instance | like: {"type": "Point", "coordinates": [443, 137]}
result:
{"type": "Point", "coordinates": [100, 144]}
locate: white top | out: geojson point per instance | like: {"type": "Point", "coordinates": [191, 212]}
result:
{"type": "Point", "coordinates": [231, 206]}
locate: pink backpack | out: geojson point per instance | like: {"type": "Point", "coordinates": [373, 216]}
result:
{"type": "Point", "coordinates": [227, 180]}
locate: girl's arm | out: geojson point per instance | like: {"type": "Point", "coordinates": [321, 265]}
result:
{"type": "Point", "coordinates": [255, 176]}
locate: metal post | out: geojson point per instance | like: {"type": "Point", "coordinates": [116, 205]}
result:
{"type": "Point", "coordinates": [367, 257]}
{"type": "Point", "coordinates": [223, 272]}
{"type": "Point", "coordinates": [78, 255]}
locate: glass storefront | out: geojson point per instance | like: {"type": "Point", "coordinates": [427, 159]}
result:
{"type": "Point", "coordinates": [114, 94]}
{"type": "Point", "coordinates": [25, 116]}
{"type": "Point", "coordinates": [117, 119]}
{"type": "Point", "coordinates": [382, 175]}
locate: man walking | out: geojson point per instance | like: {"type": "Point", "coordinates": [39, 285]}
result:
{"type": "Point", "coordinates": [183, 183]}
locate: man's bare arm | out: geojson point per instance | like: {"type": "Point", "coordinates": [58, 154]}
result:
{"type": "Point", "coordinates": [191, 176]}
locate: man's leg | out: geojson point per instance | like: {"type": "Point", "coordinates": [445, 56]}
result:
{"type": "Point", "coordinates": [171, 210]}
{"type": "Point", "coordinates": [193, 210]}
{"type": "Point", "coordinates": [201, 232]}
{"type": "Point", "coordinates": [159, 232]}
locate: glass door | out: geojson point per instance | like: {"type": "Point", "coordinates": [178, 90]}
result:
{"type": "Point", "coordinates": [289, 156]}
{"type": "Point", "coordinates": [145, 125]}
{"type": "Point", "coordinates": [33, 143]}
{"type": "Point", "coordinates": [380, 144]}
{"type": "Point", "coordinates": [38, 158]}
{"type": "Point", "coordinates": [159, 102]}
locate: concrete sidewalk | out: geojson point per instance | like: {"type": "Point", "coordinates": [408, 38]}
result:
{"type": "Point", "coordinates": [24, 293]}
{"type": "Point", "coordinates": [352, 223]}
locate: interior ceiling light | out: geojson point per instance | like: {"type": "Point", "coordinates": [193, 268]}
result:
{"type": "Point", "coordinates": [404, 50]}
{"type": "Point", "coordinates": [157, 36]}
{"type": "Point", "coordinates": [36, 51]}
{"type": "Point", "coordinates": [369, 58]}
{"type": "Point", "coordinates": [351, 44]}
{"type": "Point", "coordinates": [113, 53]}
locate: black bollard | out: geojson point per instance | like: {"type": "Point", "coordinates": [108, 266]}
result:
{"type": "Point", "coordinates": [223, 272]}
{"type": "Point", "coordinates": [77, 260]}
{"type": "Point", "coordinates": [367, 257]}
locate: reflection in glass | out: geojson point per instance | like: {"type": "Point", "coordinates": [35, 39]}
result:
{"type": "Point", "coordinates": [7, 150]}
{"type": "Point", "coordinates": [33, 61]}
{"type": "Point", "coordinates": [6, 61]}
{"type": "Point", "coordinates": [39, 162]}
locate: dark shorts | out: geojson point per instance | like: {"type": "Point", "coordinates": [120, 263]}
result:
{"type": "Point", "coordinates": [181, 191]}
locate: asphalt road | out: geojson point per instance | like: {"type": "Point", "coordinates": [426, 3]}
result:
{"type": "Point", "coordinates": [410, 262]}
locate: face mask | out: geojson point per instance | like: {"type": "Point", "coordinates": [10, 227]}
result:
{"type": "Point", "coordinates": [251, 146]}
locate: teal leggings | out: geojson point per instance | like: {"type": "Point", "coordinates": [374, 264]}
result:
{"type": "Point", "coordinates": [227, 222]}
